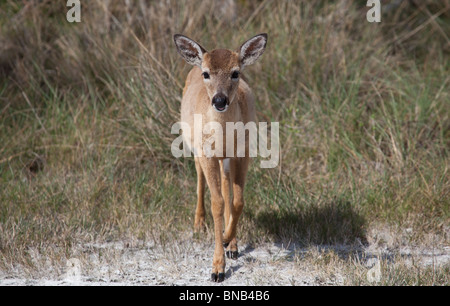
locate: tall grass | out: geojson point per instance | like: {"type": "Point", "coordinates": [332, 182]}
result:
{"type": "Point", "coordinates": [86, 111]}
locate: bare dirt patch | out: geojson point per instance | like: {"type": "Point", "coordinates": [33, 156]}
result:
{"type": "Point", "coordinates": [188, 262]}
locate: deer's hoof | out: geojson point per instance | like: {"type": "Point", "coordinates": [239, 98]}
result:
{"type": "Point", "coordinates": [232, 254]}
{"type": "Point", "coordinates": [218, 277]}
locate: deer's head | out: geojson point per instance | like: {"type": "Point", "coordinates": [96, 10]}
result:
{"type": "Point", "coordinates": [221, 68]}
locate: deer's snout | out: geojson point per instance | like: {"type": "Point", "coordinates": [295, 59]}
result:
{"type": "Point", "coordinates": [220, 102]}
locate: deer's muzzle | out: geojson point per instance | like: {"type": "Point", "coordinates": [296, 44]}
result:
{"type": "Point", "coordinates": [220, 102]}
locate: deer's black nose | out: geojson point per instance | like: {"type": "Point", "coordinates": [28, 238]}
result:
{"type": "Point", "coordinates": [220, 102]}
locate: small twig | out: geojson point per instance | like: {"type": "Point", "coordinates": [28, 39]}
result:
{"type": "Point", "coordinates": [419, 28]}
{"type": "Point", "coordinates": [37, 148]}
{"type": "Point", "coordinates": [64, 147]}
{"type": "Point", "coordinates": [34, 111]}
{"type": "Point", "coordinates": [5, 108]}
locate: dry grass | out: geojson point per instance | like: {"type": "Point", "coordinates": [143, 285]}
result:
{"type": "Point", "coordinates": [86, 110]}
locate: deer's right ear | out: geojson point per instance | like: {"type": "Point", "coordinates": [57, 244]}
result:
{"type": "Point", "coordinates": [191, 51]}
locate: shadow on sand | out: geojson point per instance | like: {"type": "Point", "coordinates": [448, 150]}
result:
{"type": "Point", "coordinates": [332, 222]}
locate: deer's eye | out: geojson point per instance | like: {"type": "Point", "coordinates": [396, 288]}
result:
{"type": "Point", "coordinates": [206, 75]}
{"type": "Point", "coordinates": [235, 75]}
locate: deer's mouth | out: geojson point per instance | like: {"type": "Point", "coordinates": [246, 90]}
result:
{"type": "Point", "coordinates": [221, 109]}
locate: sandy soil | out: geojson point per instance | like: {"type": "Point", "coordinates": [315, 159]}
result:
{"type": "Point", "coordinates": [188, 263]}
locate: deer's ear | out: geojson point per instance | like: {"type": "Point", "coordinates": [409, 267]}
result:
{"type": "Point", "coordinates": [191, 51]}
{"type": "Point", "coordinates": [252, 49]}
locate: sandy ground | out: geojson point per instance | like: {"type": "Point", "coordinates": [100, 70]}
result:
{"type": "Point", "coordinates": [188, 262]}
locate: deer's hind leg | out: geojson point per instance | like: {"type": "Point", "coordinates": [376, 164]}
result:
{"type": "Point", "coordinates": [239, 169]}
{"type": "Point", "coordinates": [225, 180]}
{"type": "Point", "coordinates": [226, 169]}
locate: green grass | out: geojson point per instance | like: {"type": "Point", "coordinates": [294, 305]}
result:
{"type": "Point", "coordinates": [86, 111]}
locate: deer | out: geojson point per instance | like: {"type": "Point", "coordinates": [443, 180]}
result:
{"type": "Point", "coordinates": [216, 90]}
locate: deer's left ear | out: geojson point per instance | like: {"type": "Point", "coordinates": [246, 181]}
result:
{"type": "Point", "coordinates": [252, 49]}
{"type": "Point", "coordinates": [190, 50]}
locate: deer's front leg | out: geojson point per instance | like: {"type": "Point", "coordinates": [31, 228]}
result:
{"type": "Point", "coordinates": [211, 170]}
{"type": "Point", "coordinates": [199, 224]}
